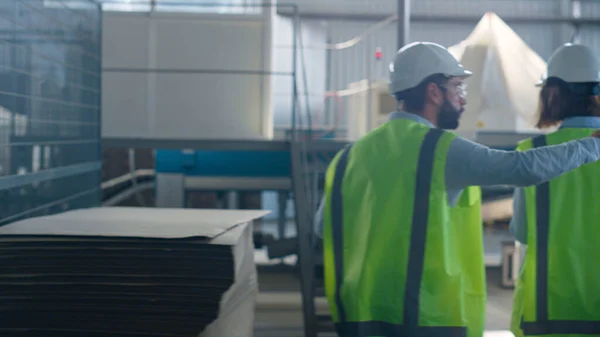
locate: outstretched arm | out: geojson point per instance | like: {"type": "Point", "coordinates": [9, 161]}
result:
{"type": "Point", "coordinates": [471, 164]}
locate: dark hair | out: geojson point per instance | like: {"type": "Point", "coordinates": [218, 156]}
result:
{"type": "Point", "coordinates": [560, 100]}
{"type": "Point", "coordinates": [413, 99]}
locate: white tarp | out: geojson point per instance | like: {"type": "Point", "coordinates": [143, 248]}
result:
{"type": "Point", "coordinates": [502, 93]}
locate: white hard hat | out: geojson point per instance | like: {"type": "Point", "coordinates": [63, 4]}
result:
{"type": "Point", "coordinates": [572, 63]}
{"type": "Point", "coordinates": [418, 60]}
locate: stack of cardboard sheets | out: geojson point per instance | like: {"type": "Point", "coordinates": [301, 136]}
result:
{"type": "Point", "coordinates": [129, 272]}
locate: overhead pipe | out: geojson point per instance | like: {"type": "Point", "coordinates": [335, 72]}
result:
{"type": "Point", "coordinates": [445, 18]}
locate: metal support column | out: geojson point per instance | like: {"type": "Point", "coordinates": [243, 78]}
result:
{"type": "Point", "coordinates": [305, 249]}
{"type": "Point", "coordinates": [575, 13]}
{"type": "Point", "coordinates": [170, 190]}
{"type": "Point", "coordinates": [310, 161]}
{"type": "Point", "coordinates": [367, 117]}
{"type": "Point", "coordinates": [329, 115]}
{"type": "Point", "coordinates": [403, 23]}
{"type": "Point", "coordinates": [282, 198]}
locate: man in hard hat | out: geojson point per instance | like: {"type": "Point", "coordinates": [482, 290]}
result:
{"type": "Point", "coordinates": [394, 256]}
{"type": "Point", "coordinates": [560, 217]}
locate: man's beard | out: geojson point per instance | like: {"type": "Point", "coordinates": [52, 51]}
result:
{"type": "Point", "coordinates": [448, 118]}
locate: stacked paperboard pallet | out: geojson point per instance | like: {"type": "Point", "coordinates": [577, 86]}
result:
{"type": "Point", "coordinates": [129, 272]}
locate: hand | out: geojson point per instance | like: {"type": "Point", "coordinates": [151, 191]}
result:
{"type": "Point", "coordinates": [596, 134]}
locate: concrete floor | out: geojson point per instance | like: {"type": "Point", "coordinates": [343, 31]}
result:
{"type": "Point", "coordinates": [279, 308]}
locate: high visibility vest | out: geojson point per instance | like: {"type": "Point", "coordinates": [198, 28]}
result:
{"type": "Point", "coordinates": [467, 226]}
{"type": "Point", "coordinates": [558, 291]}
{"type": "Point", "coordinates": [395, 260]}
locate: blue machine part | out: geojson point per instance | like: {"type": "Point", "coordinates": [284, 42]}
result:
{"type": "Point", "coordinates": [263, 164]}
{"type": "Point", "coordinates": [224, 163]}
{"type": "Point", "coordinates": [254, 164]}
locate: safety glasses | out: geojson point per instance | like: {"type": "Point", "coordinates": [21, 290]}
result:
{"type": "Point", "coordinates": [458, 88]}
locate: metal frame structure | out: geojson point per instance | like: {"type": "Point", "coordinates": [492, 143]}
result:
{"type": "Point", "coordinates": [306, 166]}
{"type": "Point", "coordinates": [48, 176]}
{"type": "Point", "coordinates": [445, 18]}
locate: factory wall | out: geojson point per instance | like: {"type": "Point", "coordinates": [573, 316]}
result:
{"type": "Point", "coordinates": [361, 58]}
{"type": "Point", "coordinates": [313, 33]}
{"type": "Point", "coordinates": [359, 62]}
{"type": "Point", "coordinates": [50, 156]}
{"type": "Point", "coordinates": [542, 37]}
{"type": "Point", "coordinates": [328, 70]}
{"type": "Point", "coordinates": [347, 20]}
{"type": "Point", "coordinates": [210, 72]}
{"type": "Point", "coordinates": [313, 60]}
{"type": "Point", "coordinates": [181, 75]}
{"type": "Point", "coordinates": [174, 75]}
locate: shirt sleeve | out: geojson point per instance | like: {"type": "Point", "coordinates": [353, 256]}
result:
{"type": "Point", "coordinates": [518, 223]}
{"type": "Point", "coordinates": [472, 164]}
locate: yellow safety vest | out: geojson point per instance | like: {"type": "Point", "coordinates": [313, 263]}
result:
{"type": "Point", "coordinates": [396, 261]}
{"type": "Point", "coordinates": [558, 291]}
{"type": "Point", "coordinates": [468, 230]}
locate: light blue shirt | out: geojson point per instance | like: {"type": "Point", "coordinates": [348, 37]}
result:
{"type": "Point", "coordinates": [518, 224]}
{"type": "Point", "coordinates": [472, 164]}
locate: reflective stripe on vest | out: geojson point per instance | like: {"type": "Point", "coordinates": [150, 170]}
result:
{"type": "Point", "coordinates": [411, 327]}
{"type": "Point", "coordinates": [543, 325]}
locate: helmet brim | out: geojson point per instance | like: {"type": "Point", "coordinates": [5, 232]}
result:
{"type": "Point", "coordinates": [460, 73]}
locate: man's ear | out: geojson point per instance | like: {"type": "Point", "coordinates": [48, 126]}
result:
{"type": "Point", "coordinates": [434, 94]}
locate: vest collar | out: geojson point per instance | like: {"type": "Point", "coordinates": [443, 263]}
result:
{"type": "Point", "coordinates": [581, 122]}
{"type": "Point", "coordinates": [410, 116]}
